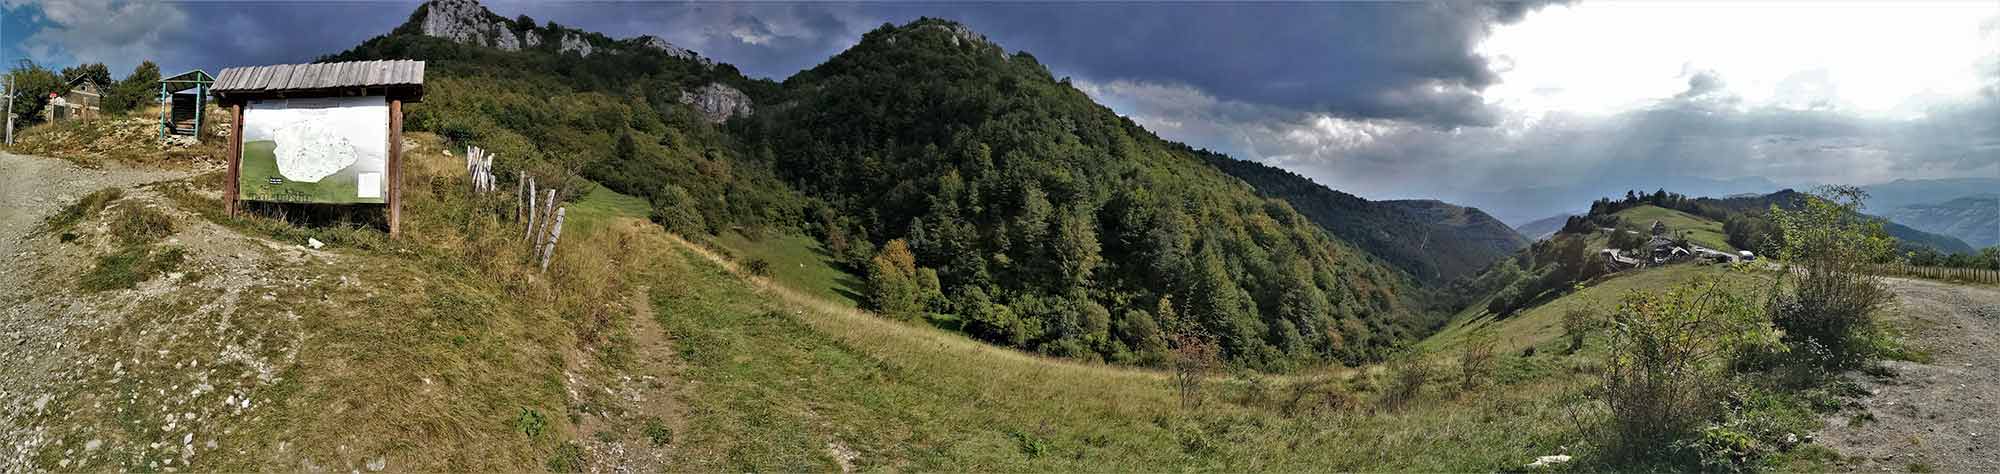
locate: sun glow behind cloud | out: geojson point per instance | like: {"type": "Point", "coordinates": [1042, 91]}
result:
{"type": "Point", "coordinates": [1888, 60]}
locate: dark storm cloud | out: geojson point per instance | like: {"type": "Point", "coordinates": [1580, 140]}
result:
{"type": "Point", "coordinates": [1403, 61]}
{"type": "Point", "coordinates": [1413, 62]}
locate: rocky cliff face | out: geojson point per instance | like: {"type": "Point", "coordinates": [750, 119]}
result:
{"type": "Point", "coordinates": [671, 50]}
{"type": "Point", "coordinates": [465, 21]}
{"type": "Point", "coordinates": [718, 103]}
{"type": "Point", "coordinates": [468, 22]}
{"type": "Point", "coordinates": [574, 43]}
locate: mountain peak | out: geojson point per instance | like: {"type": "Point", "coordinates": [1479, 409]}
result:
{"type": "Point", "coordinates": [957, 33]}
{"type": "Point", "coordinates": [469, 22]}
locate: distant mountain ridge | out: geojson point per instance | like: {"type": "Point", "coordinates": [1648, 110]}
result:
{"type": "Point", "coordinates": [1431, 240]}
{"type": "Point", "coordinates": [1885, 198]}
{"type": "Point", "coordinates": [1519, 206]}
{"type": "Point", "coordinates": [1543, 228]}
{"type": "Point", "coordinates": [1973, 219]}
{"type": "Point", "coordinates": [1909, 237]}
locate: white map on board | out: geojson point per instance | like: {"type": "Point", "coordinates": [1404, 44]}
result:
{"type": "Point", "coordinates": [308, 151]}
{"type": "Point", "coordinates": [318, 137]}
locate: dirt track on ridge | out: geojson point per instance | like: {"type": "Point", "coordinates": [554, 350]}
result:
{"type": "Point", "coordinates": [1944, 415]}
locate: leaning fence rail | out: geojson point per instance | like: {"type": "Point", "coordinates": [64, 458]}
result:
{"type": "Point", "coordinates": [540, 218]}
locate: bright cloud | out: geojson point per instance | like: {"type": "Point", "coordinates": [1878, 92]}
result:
{"type": "Point", "coordinates": [1885, 59]}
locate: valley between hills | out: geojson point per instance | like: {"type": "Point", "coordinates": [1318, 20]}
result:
{"type": "Point", "coordinates": [930, 254]}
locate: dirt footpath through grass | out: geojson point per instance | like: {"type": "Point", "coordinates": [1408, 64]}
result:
{"type": "Point", "coordinates": [1943, 416]}
{"type": "Point", "coordinates": [34, 345]}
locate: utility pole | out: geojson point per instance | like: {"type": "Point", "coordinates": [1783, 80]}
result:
{"type": "Point", "coordinates": [10, 109]}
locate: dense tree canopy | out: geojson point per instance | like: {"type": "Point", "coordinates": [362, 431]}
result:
{"type": "Point", "coordinates": [32, 86]}
{"type": "Point", "coordinates": [1053, 222]}
{"type": "Point", "coordinates": [1432, 241]}
{"type": "Point", "coordinates": [954, 177]}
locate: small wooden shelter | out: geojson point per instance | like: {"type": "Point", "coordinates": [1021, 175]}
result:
{"type": "Point", "coordinates": [184, 96]}
{"type": "Point", "coordinates": [80, 102]}
{"type": "Point", "coordinates": [397, 81]}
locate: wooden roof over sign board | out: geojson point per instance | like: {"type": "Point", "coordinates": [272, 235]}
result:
{"type": "Point", "coordinates": [401, 78]}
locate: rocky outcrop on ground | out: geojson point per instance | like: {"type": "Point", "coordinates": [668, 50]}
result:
{"type": "Point", "coordinates": [718, 103]}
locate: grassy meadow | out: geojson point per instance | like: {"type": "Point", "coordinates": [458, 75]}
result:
{"type": "Point", "coordinates": [447, 350]}
{"type": "Point", "coordinates": [1701, 231]}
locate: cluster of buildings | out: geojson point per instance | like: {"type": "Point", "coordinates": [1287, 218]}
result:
{"type": "Point", "coordinates": [182, 97]}
{"type": "Point", "coordinates": [1661, 250]}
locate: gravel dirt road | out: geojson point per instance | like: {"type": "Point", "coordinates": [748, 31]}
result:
{"type": "Point", "coordinates": [1943, 416]}
{"type": "Point", "coordinates": [34, 344]}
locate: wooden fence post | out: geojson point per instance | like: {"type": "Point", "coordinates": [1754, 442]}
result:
{"type": "Point", "coordinates": [554, 235]}
{"type": "Point", "coordinates": [543, 231]}
{"type": "Point", "coordinates": [528, 233]}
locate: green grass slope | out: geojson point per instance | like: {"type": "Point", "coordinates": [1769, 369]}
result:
{"type": "Point", "coordinates": [1541, 326]}
{"type": "Point", "coordinates": [1701, 231]}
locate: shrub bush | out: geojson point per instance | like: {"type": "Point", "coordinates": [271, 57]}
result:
{"type": "Point", "coordinates": [758, 267]}
{"type": "Point", "coordinates": [1663, 372]}
{"type": "Point", "coordinates": [1407, 377]}
{"type": "Point", "coordinates": [1194, 356]}
{"type": "Point", "coordinates": [1477, 363]}
{"type": "Point", "coordinates": [1578, 323]}
{"type": "Point", "coordinates": [1828, 316]}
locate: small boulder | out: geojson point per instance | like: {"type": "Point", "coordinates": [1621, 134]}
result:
{"type": "Point", "coordinates": [1547, 461]}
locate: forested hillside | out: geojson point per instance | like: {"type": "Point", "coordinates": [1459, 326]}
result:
{"type": "Point", "coordinates": [1050, 223]}
{"type": "Point", "coordinates": [962, 182]}
{"type": "Point", "coordinates": [578, 105]}
{"type": "Point", "coordinates": [1431, 240]}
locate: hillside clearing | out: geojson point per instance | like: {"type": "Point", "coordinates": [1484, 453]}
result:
{"type": "Point", "coordinates": [1541, 326]}
{"type": "Point", "coordinates": [271, 356]}
{"type": "Point", "coordinates": [1701, 231]}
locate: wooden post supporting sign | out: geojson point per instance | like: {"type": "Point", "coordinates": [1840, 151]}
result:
{"type": "Point", "coordinates": [395, 167]}
{"type": "Point", "coordinates": [235, 158]}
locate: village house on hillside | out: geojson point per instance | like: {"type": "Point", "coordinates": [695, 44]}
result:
{"type": "Point", "coordinates": [1663, 250]}
{"type": "Point", "coordinates": [79, 103]}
